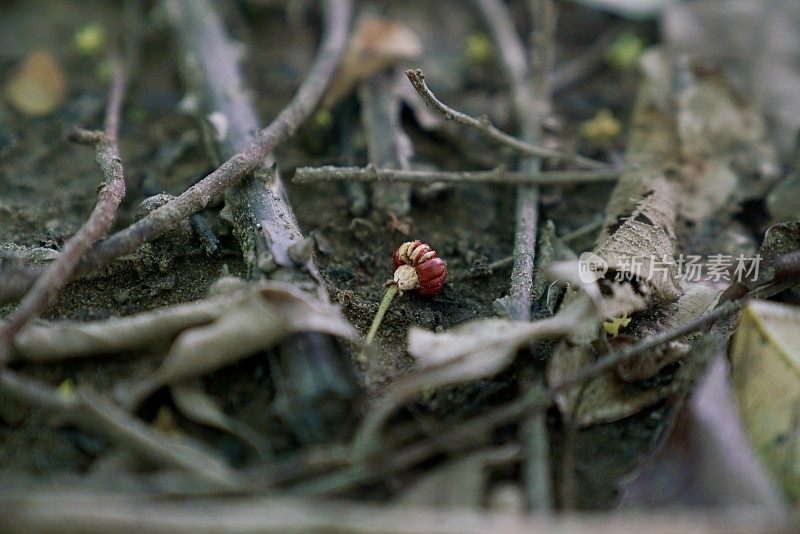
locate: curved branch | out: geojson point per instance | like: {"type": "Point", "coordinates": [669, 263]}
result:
{"type": "Point", "coordinates": [49, 285]}
{"type": "Point", "coordinates": [337, 18]}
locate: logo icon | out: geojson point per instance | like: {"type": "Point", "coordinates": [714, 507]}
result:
{"type": "Point", "coordinates": [591, 267]}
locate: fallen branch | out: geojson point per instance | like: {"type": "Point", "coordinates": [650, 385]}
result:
{"type": "Point", "coordinates": [500, 174]}
{"type": "Point", "coordinates": [483, 125]}
{"type": "Point", "coordinates": [387, 143]}
{"type": "Point", "coordinates": [530, 96]}
{"type": "Point", "coordinates": [311, 365]}
{"type": "Point", "coordinates": [73, 511]}
{"type": "Point", "coordinates": [49, 285]}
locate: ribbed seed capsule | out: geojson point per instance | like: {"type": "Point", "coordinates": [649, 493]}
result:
{"type": "Point", "coordinates": [415, 267]}
{"type": "Point", "coordinates": [430, 271]}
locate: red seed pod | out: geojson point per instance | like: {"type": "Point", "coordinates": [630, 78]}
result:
{"type": "Point", "coordinates": [432, 274]}
{"type": "Point", "coordinates": [430, 270]}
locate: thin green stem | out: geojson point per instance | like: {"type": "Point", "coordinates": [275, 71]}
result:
{"type": "Point", "coordinates": [391, 291]}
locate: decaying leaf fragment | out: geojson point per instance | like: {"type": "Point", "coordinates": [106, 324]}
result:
{"type": "Point", "coordinates": [725, 158]}
{"type": "Point", "coordinates": [259, 321]}
{"type": "Point", "coordinates": [604, 399]}
{"type": "Point", "coordinates": [472, 351]}
{"type": "Point", "coordinates": [51, 341]}
{"type": "Point", "coordinates": [375, 45]}
{"type": "Point", "coordinates": [458, 483]}
{"type": "Point", "coordinates": [765, 362]}
{"type": "Point", "coordinates": [641, 248]}
{"type": "Point", "coordinates": [614, 396]}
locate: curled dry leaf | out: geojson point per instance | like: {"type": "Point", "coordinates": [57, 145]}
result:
{"type": "Point", "coordinates": [38, 86]}
{"type": "Point", "coordinates": [458, 483]}
{"type": "Point", "coordinates": [197, 405]}
{"type": "Point", "coordinates": [601, 400]}
{"type": "Point", "coordinates": [375, 45]}
{"type": "Point", "coordinates": [45, 341]}
{"type": "Point", "coordinates": [611, 396]}
{"type": "Point", "coordinates": [475, 350]}
{"type": "Point", "coordinates": [642, 244]}
{"type": "Point", "coordinates": [765, 361]}
{"type": "Point", "coordinates": [259, 321]}
{"type": "Point", "coordinates": [722, 142]}
{"type": "Point", "coordinates": [652, 145]}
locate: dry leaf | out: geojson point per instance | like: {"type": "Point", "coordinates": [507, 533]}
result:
{"type": "Point", "coordinates": [257, 322]}
{"type": "Point", "coordinates": [197, 405]}
{"type": "Point", "coordinates": [641, 246]}
{"type": "Point", "coordinates": [609, 397]}
{"type": "Point", "coordinates": [652, 144]}
{"type": "Point", "coordinates": [706, 460]}
{"type": "Point", "coordinates": [458, 483]}
{"type": "Point", "coordinates": [375, 45]}
{"type": "Point", "coordinates": [761, 55]}
{"type": "Point", "coordinates": [604, 399]}
{"type": "Point", "coordinates": [725, 158]}
{"type": "Point", "coordinates": [38, 86]}
{"type": "Point", "coordinates": [472, 351]}
{"type": "Point", "coordinates": [765, 361]}
{"type": "Point", "coordinates": [44, 341]}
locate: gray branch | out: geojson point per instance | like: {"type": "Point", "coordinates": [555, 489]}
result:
{"type": "Point", "coordinates": [501, 175]}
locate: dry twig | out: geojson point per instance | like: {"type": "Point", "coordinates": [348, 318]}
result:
{"type": "Point", "coordinates": [49, 285]}
{"type": "Point", "coordinates": [92, 412]}
{"type": "Point", "coordinates": [370, 173]}
{"type": "Point", "coordinates": [530, 98]}
{"type": "Point", "coordinates": [483, 125]}
{"type": "Point", "coordinates": [89, 512]}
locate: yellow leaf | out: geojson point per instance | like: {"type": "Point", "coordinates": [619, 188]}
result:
{"type": "Point", "coordinates": [625, 51]}
{"type": "Point", "coordinates": [478, 48]}
{"type": "Point", "coordinates": [602, 128]}
{"type": "Point", "coordinates": [765, 363]}
{"type": "Point", "coordinates": [66, 389]}
{"type": "Point", "coordinates": [612, 327]}
{"type": "Point", "coordinates": [90, 39]}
